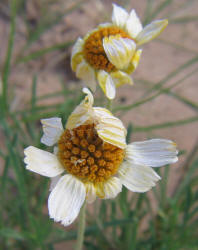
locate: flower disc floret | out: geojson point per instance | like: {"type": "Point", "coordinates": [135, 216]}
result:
{"type": "Point", "coordinates": [84, 155]}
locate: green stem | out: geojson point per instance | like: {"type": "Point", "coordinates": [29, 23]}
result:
{"type": "Point", "coordinates": [109, 105]}
{"type": "Point", "coordinates": [81, 228]}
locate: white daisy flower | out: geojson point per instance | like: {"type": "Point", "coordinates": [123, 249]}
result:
{"type": "Point", "coordinates": [111, 52]}
{"type": "Point", "coordinates": [91, 159]}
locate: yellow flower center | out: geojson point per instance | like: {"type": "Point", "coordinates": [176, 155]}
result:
{"type": "Point", "coordinates": [85, 155]}
{"type": "Point", "coordinates": [93, 48]}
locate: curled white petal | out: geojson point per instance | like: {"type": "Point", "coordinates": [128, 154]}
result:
{"type": "Point", "coordinates": [52, 128]}
{"type": "Point", "coordinates": [119, 78]}
{"type": "Point", "coordinates": [83, 112]}
{"type": "Point", "coordinates": [89, 100]}
{"type": "Point", "coordinates": [110, 88]}
{"type": "Point", "coordinates": [119, 16]}
{"type": "Point", "coordinates": [76, 54]}
{"type": "Point", "coordinates": [133, 24]}
{"type": "Point", "coordinates": [107, 84]}
{"type": "Point", "coordinates": [78, 47]}
{"type": "Point", "coordinates": [151, 31]}
{"type": "Point", "coordinates": [154, 153]}
{"type": "Point", "coordinates": [137, 178]}
{"type": "Point", "coordinates": [134, 62]}
{"type": "Point", "coordinates": [42, 162]}
{"type": "Point", "coordinates": [66, 199]}
{"type": "Point", "coordinates": [109, 128]}
{"type": "Point", "coordinates": [136, 58]}
{"type": "Point", "coordinates": [119, 50]}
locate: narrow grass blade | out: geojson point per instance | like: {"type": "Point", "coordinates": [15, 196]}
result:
{"type": "Point", "coordinates": [7, 65]}
{"type": "Point", "coordinates": [166, 124]}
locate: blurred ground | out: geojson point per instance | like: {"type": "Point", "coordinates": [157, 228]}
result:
{"type": "Point", "coordinates": [175, 46]}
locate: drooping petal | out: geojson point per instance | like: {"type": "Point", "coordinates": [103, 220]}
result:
{"type": "Point", "coordinates": [66, 199]}
{"type": "Point", "coordinates": [119, 78]}
{"type": "Point", "coordinates": [108, 189]}
{"type": "Point", "coordinates": [154, 153]}
{"type": "Point", "coordinates": [42, 162]}
{"type": "Point", "coordinates": [78, 47]}
{"type": "Point", "coordinates": [82, 113]}
{"type": "Point", "coordinates": [119, 16]}
{"type": "Point", "coordinates": [76, 56]}
{"type": "Point", "coordinates": [133, 24]}
{"type": "Point", "coordinates": [52, 128]}
{"type": "Point", "coordinates": [136, 58]}
{"type": "Point", "coordinates": [90, 192]}
{"type": "Point", "coordinates": [151, 31]}
{"type": "Point", "coordinates": [54, 181]}
{"type": "Point", "coordinates": [107, 84]}
{"type": "Point", "coordinates": [119, 50]}
{"type": "Point", "coordinates": [134, 62]}
{"type": "Point", "coordinates": [85, 72]}
{"type": "Point", "coordinates": [137, 178]}
{"type": "Point", "coordinates": [109, 128]}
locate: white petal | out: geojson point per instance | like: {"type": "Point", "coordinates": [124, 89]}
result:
{"type": "Point", "coordinates": [120, 78]}
{"type": "Point", "coordinates": [66, 199]}
{"type": "Point", "coordinates": [90, 192]}
{"type": "Point", "coordinates": [78, 47]}
{"type": "Point", "coordinates": [55, 150]}
{"type": "Point", "coordinates": [119, 16]}
{"type": "Point", "coordinates": [154, 153]}
{"type": "Point", "coordinates": [137, 178]}
{"type": "Point", "coordinates": [89, 100]}
{"type": "Point", "coordinates": [52, 128]}
{"type": "Point", "coordinates": [107, 84]}
{"type": "Point", "coordinates": [119, 50]}
{"type": "Point", "coordinates": [109, 128]}
{"type": "Point", "coordinates": [110, 88]}
{"type": "Point", "coordinates": [42, 162]}
{"type": "Point", "coordinates": [134, 62]}
{"type": "Point", "coordinates": [83, 112]}
{"type": "Point", "coordinates": [112, 187]}
{"type": "Point", "coordinates": [133, 24]}
{"type": "Point", "coordinates": [85, 72]}
{"type": "Point", "coordinates": [136, 58]}
{"type": "Point", "coordinates": [54, 181]}
{"type": "Point", "coordinates": [109, 189]}
{"type": "Point", "coordinates": [76, 55]}
{"type": "Point", "coordinates": [151, 31]}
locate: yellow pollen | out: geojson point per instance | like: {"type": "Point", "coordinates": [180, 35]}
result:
{"type": "Point", "coordinates": [90, 161]}
{"type": "Point", "coordinates": [93, 48]}
{"type": "Point", "coordinates": [84, 155]}
{"type": "Point", "coordinates": [91, 148]}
